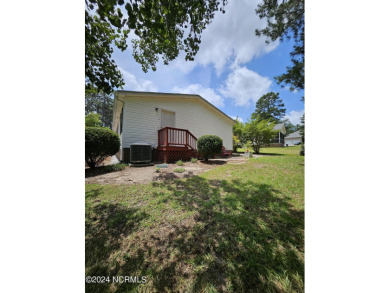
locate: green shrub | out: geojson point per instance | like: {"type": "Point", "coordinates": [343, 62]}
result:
{"type": "Point", "coordinates": [115, 167]}
{"type": "Point", "coordinates": [157, 169]}
{"type": "Point", "coordinates": [100, 143]}
{"type": "Point", "coordinates": [302, 151]}
{"type": "Point", "coordinates": [179, 170]}
{"type": "Point", "coordinates": [180, 163]}
{"type": "Point", "coordinates": [194, 160]}
{"type": "Point", "coordinates": [209, 145]}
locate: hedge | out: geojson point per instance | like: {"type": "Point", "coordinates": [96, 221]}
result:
{"type": "Point", "coordinates": [100, 143]}
{"type": "Point", "coordinates": [209, 146]}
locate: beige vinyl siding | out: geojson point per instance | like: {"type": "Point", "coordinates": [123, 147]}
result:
{"type": "Point", "coordinates": [141, 120]}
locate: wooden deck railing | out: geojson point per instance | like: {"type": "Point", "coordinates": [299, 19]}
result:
{"type": "Point", "coordinates": [170, 136]}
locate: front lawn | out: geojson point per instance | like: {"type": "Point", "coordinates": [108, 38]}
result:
{"type": "Point", "coordinates": [235, 228]}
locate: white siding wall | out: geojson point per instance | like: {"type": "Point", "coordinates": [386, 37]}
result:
{"type": "Point", "coordinates": [141, 121]}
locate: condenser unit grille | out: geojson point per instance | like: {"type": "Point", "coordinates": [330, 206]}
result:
{"type": "Point", "coordinates": [140, 153]}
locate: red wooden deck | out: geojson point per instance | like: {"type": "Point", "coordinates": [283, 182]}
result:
{"type": "Point", "coordinates": [176, 144]}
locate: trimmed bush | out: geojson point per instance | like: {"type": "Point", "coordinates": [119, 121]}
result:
{"type": "Point", "coordinates": [209, 146]}
{"type": "Point", "coordinates": [100, 143]}
{"type": "Point", "coordinates": [302, 151]}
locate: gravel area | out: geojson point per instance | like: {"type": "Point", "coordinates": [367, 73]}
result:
{"type": "Point", "coordinates": [142, 175]}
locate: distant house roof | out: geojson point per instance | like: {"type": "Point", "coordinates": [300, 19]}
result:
{"type": "Point", "coordinates": [278, 126]}
{"type": "Point", "coordinates": [295, 134]}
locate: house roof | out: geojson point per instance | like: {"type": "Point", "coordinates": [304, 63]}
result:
{"type": "Point", "coordinates": [295, 134]}
{"type": "Point", "coordinates": [176, 95]}
{"type": "Point", "coordinates": [278, 126]}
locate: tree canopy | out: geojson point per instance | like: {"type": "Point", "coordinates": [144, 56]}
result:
{"type": "Point", "coordinates": [290, 128]}
{"type": "Point", "coordinates": [259, 132]}
{"type": "Point", "coordinates": [302, 128]}
{"type": "Point", "coordinates": [101, 104]}
{"type": "Point", "coordinates": [93, 120]}
{"type": "Point", "coordinates": [286, 20]}
{"type": "Point", "coordinates": [238, 132]}
{"type": "Point", "coordinates": [162, 28]}
{"type": "Point", "coordinates": [269, 107]}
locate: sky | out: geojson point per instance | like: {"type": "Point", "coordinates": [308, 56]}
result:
{"type": "Point", "coordinates": [232, 69]}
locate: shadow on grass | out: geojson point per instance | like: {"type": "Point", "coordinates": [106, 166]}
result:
{"type": "Point", "coordinates": [92, 172]}
{"type": "Point", "coordinates": [270, 154]}
{"type": "Point", "coordinates": [105, 226]}
{"type": "Point", "coordinates": [243, 237]}
{"type": "Point", "coordinates": [213, 162]}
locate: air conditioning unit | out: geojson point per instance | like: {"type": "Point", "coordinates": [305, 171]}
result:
{"type": "Point", "coordinates": [140, 153]}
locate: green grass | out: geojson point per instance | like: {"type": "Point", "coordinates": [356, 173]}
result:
{"type": "Point", "coordinates": [179, 170]}
{"type": "Point", "coordinates": [281, 151]}
{"type": "Point", "coordinates": [235, 228]}
{"type": "Point", "coordinates": [194, 160]}
{"type": "Point", "coordinates": [180, 163]}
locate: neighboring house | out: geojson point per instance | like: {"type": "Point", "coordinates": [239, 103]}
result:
{"type": "Point", "coordinates": [293, 138]}
{"type": "Point", "coordinates": [171, 123]}
{"type": "Point", "coordinates": [278, 140]}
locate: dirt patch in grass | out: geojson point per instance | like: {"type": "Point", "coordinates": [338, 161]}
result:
{"type": "Point", "coordinates": [142, 175]}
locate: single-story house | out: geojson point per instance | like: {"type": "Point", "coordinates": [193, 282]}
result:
{"type": "Point", "coordinates": [170, 123]}
{"type": "Point", "coordinates": [293, 138]}
{"type": "Point", "coordinates": [278, 140]}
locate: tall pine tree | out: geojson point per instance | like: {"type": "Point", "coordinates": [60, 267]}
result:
{"type": "Point", "coordinates": [270, 106]}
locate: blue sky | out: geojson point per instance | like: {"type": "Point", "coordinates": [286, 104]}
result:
{"type": "Point", "coordinates": [232, 69]}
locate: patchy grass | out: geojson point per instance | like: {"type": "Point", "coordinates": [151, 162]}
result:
{"type": "Point", "coordinates": [180, 163]}
{"type": "Point", "coordinates": [235, 228]}
{"type": "Point", "coordinates": [179, 170]}
{"type": "Point", "coordinates": [194, 160]}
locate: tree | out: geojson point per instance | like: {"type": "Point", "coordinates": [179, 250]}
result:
{"type": "Point", "coordinates": [302, 132]}
{"type": "Point", "coordinates": [93, 120]}
{"type": "Point", "coordinates": [209, 146]}
{"type": "Point", "coordinates": [290, 128]}
{"type": "Point", "coordinates": [238, 129]}
{"type": "Point", "coordinates": [269, 106]}
{"type": "Point", "coordinates": [236, 143]}
{"type": "Point", "coordinates": [286, 20]}
{"type": "Point", "coordinates": [259, 132]}
{"type": "Point", "coordinates": [162, 28]}
{"type": "Point", "coordinates": [302, 128]}
{"type": "Point", "coordinates": [100, 103]}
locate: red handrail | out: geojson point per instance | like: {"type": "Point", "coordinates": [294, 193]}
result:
{"type": "Point", "coordinates": [170, 136]}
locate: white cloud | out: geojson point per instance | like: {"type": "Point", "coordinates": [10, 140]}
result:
{"type": "Point", "coordinates": [134, 84]}
{"type": "Point", "coordinates": [236, 117]}
{"type": "Point", "coordinates": [245, 86]}
{"type": "Point", "coordinates": [294, 116]}
{"type": "Point", "coordinates": [207, 93]}
{"type": "Point", "coordinates": [231, 39]}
